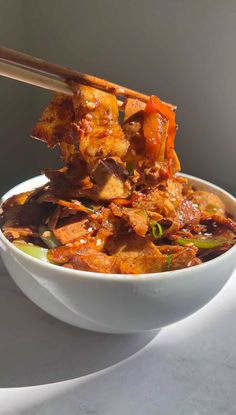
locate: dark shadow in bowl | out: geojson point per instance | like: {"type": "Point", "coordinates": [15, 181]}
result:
{"type": "Point", "coordinates": [36, 349]}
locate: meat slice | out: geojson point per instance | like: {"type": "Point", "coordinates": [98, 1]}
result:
{"type": "Point", "coordinates": [188, 214]}
{"type": "Point", "coordinates": [87, 123]}
{"type": "Point", "coordinates": [110, 178]}
{"type": "Point", "coordinates": [18, 232]}
{"type": "Point", "coordinates": [132, 107]}
{"type": "Point", "coordinates": [179, 256]}
{"type": "Point", "coordinates": [174, 190]}
{"type": "Point", "coordinates": [208, 202]}
{"type": "Point", "coordinates": [29, 215]}
{"type": "Point", "coordinates": [155, 200]}
{"type": "Point", "coordinates": [137, 219]}
{"type": "Point", "coordinates": [97, 117]}
{"type": "Point", "coordinates": [54, 125]}
{"type": "Point", "coordinates": [154, 174]}
{"type": "Point", "coordinates": [227, 223]}
{"type": "Point", "coordinates": [141, 263]}
{"type": "Point", "coordinates": [133, 129]}
{"type": "Point", "coordinates": [184, 258]}
{"type": "Point", "coordinates": [91, 260]}
{"type": "Point", "coordinates": [15, 200]}
{"type": "Point", "coordinates": [128, 243]}
{"type": "Point", "coordinates": [71, 230]}
{"type": "Point", "coordinates": [136, 255]}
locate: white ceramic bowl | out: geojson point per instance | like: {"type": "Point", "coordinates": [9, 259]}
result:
{"type": "Point", "coordinates": [118, 303]}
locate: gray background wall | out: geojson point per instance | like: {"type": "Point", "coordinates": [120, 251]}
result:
{"type": "Point", "coordinates": [184, 51]}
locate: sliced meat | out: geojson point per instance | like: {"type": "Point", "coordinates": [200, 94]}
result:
{"type": "Point", "coordinates": [137, 219]}
{"type": "Point", "coordinates": [133, 129]}
{"type": "Point", "coordinates": [97, 116]}
{"type": "Point", "coordinates": [86, 124]}
{"type": "Point", "coordinates": [188, 214]}
{"type": "Point", "coordinates": [28, 215]}
{"type": "Point", "coordinates": [55, 124]}
{"type": "Point", "coordinates": [155, 200]}
{"type": "Point", "coordinates": [179, 257]}
{"type": "Point", "coordinates": [208, 202]}
{"type": "Point", "coordinates": [18, 232]}
{"type": "Point", "coordinates": [19, 199]}
{"type": "Point", "coordinates": [132, 107]}
{"type": "Point", "coordinates": [195, 261]}
{"type": "Point", "coordinates": [63, 254]}
{"type": "Point", "coordinates": [174, 190]}
{"type": "Point", "coordinates": [134, 134]}
{"type": "Point", "coordinates": [183, 258]}
{"type": "Point", "coordinates": [227, 222]}
{"type": "Point", "coordinates": [110, 178]}
{"type": "Point", "coordinates": [136, 255]}
{"type": "Point", "coordinates": [220, 220]}
{"type": "Point", "coordinates": [153, 175]}
{"type": "Point", "coordinates": [73, 229]}
{"type": "Point", "coordinates": [129, 243]}
{"type": "Point", "coordinates": [90, 260]}
{"type": "Point", "coordinates": [141, 263]}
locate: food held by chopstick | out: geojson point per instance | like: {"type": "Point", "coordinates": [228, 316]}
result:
{"type": "Point", "coordinates": [116, 205]}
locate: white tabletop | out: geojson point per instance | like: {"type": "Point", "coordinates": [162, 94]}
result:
{"type": "Point", "coordinates": [50, 368]}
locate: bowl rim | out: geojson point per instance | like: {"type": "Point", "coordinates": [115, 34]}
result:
{"type": "Point", "coordinates": [124, 277]}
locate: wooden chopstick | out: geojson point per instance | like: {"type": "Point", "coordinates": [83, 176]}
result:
{"type": "Point", "coordinates": [66, 74]}
{"type": "Point", "coordinates": [33, 78]}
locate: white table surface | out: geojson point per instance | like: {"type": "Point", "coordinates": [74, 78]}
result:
{"type": "Point", "coordinates": [50, 368]}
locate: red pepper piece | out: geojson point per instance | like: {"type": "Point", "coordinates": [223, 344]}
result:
{"type": "Point", "coordinates": [154, 105]}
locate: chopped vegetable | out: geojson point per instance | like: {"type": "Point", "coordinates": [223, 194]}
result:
{"type": "Point", "coordinates": [154, 106]}
{"type": "Point", "coordinates": [88, 205]}
{"type": "Point", "coordinates": [202, 242]}
{"type": "Point", "coordinates": [168, 261]}
{"type": "Point", "coordinates": [153, 135]}
{"type": "Point", "coordinates": [130, 168]}
{"type": "Point", "coordinates": [33, 250]}
{"type": "Point", "coordinates": [157, 230]}
{"type": "Point", "coordinates": [48, 237]}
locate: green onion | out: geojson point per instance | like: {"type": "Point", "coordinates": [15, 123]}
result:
{"type": "Point", "coordinates": [130, 168]}
{"type": "Point", "coordinates": [157, 230]}
{"type": "Point", "coordinates": [168, 261]}
{"type": "Point", "coordinates": [88, 205]}
{"type": "Point", "coordinates": [33, 250]}
{"type": "Point", "coordinates": [48, 237]}
{"type": "Point", "coordinates": [204, 243]}
{"type": "Point", "coordinates": [90, 208]}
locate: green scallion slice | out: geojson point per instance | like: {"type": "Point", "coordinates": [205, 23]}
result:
{"type": "Point", "coordinates": [157, 230]}
{"type": "Point", "coordinates": [203, 242]}
{"type": "Point", "coordinates": [33, 250]}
